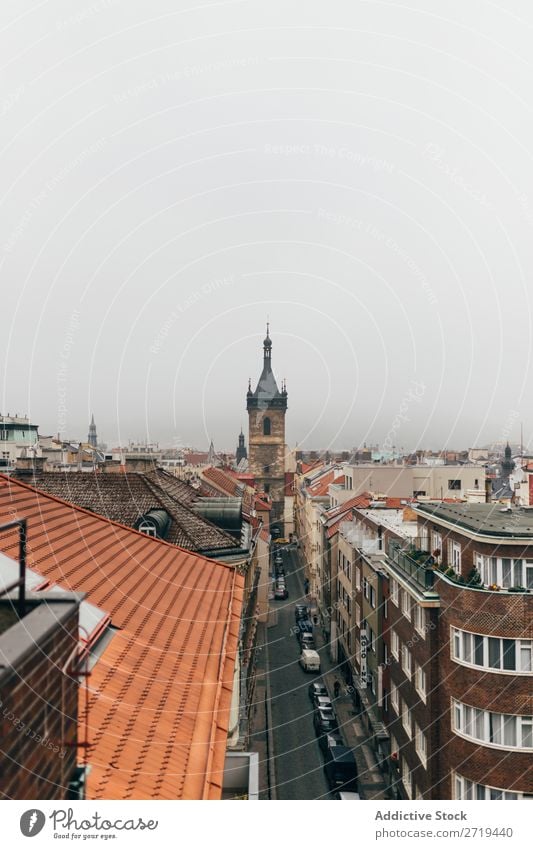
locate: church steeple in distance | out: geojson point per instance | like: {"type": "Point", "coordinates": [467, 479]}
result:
{"type": "Point", "coordinates": [92, 438]}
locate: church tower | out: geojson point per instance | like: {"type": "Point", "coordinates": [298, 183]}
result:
{"type": "Point", "coordinates": [92, 439]}
{"type": "Point", "coordinates": [266, 434]}
{"type": "Point", "coordinates": [241, 453]}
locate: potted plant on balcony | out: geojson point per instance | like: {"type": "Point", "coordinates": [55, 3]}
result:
{"type": "Point", "coordinates": [474, 578]}
{"type": "Point", "coordinates": [518, 589]}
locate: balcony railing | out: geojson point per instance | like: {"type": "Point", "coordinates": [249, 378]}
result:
{"type": "Point", "coordinates": [418, 572]}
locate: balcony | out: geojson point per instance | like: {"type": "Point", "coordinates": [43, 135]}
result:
{"type": "Point", "coordinates": [410, 566]}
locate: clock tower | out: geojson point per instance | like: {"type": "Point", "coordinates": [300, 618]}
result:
{"type": "Point", "coordinates": [266, 440]}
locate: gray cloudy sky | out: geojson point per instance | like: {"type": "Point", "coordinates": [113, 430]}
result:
{"type": "Point", "coordinates": [359, 171]}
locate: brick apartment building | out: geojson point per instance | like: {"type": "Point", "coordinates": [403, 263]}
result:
{"type": "Point", "coordinates": [439, 646]}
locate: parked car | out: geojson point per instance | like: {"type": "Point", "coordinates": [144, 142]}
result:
{"type": "Point", "coordinates": [305, 626]}
{"type": "Point", "coordinates": [327, 741]}
{"type": "Point", "coordinates": [280, 572]}
{"type": "Point", "coordinates": [307, 641]}
{"type": "Point", "coordinates": [301, 611]}
{"type": "Point", "coordinates": [278, 557]}
{"type": "Point", "coordinates": [347, 796]}
{"type": "Point", "coordinates": [310, 660]}
{"type": "Point", "coordinates": [324, 702]}
{"type": "Point", "coordinates": [281, 593]}
{"type": "Point", "coordinates": [340, 768]}
{"type": "Point", "coordinates": [316, 689]}
{"type": "Point", "coordinates": [324, 721]}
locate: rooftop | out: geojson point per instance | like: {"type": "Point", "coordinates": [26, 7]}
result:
{"type": "Point", "coordinates": [494, 520]}
{"type": "Point", "coordinates": [126, 496]}
{"type": "Point", "coordinates": [161, 692]}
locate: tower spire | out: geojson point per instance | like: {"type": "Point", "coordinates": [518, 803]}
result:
{"type": "Point", "coordinates": [267, 347]}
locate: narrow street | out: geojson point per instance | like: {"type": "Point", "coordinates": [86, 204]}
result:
{"type": "Point", "coordinates": [298, 759]}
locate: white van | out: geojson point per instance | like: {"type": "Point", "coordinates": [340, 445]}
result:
{"type": "Point", "coordinates": [310, 660]}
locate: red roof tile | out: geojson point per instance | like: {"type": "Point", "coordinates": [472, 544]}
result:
{"type": "Point", "coordinates": [160, 694]}
{"type": "Point", "coordinates": [222, 480]}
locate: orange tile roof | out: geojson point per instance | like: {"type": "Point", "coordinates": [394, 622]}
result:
{"type": "Point", "coordinates": [226, 483]}
{"type": "Point", "coordinates": [306, 467]}
{"type": "Point", "coordinates": [321, 486]}
{"type": "Point", "coordinates": [160, 695]}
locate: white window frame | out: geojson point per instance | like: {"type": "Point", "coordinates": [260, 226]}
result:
{"type": "Point", "coordinates": [420, 619]}
{"type": "Point", "coordinates": [394, 591]}
{"type": "Point", "coordinates": [466, 719]}
{"type": "Point", "coordinates": [407, 661]}
{"type": "Point", "coordinates": [407, 779]}
{"type": "Point", "coordinates": [407, 720]}
{"type": "Point", "coordinates": [465, 645]}
{"type": "Point", "coordinates": [395, 645]}
{"type": "Point", "coordinates": [395, 698]}
{"type": "Point", "coordinates": [454, 555]}
{"type": "Point", "coordinates": [406, 605]}
{"type": "Point", "coordinates": [421, 745]}
{"type": "Point", "coordinates": [466, 789]}
{"type": "Point", "coordinates": [421, 681]}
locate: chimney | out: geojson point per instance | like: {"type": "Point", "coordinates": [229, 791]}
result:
{"type": "Point", "coordinates": [29, 465]}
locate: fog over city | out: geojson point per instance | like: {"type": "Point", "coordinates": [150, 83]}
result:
{"type": "Point", "coordinates": [357, 173]}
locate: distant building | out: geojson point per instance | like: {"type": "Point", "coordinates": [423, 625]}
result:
{"type": "Point", "coordinates": [241, 453]}
{"type": "Point", "coordinates": [267, 407]}
{"type": "Point", "coordinates": [18, 437]}
{"type": "Point", "coordinates": [92, 438]}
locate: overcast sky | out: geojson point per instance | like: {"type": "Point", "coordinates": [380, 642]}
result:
{"type": "Point", "coordinates": [360, 172]}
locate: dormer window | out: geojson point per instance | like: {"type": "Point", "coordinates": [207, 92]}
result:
{"type": "Point", "coordinates": [148, 528]}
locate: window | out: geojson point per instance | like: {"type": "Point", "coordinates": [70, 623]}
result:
{"type": "Point", "coordinates": [357, 614]}
{"type": "Point", "coordinates": [436, 541]}
{"type": "Point", "coordinates": [420, 619]}
{"type": "Point", "coordinates": [506, 731]}
{"type": "Point", "coordinates": [420, 681]}
{"type": "Point", "coordinates": [466, 789]}
{"type": "Point", "coordinates": [394, 592]}
{"type": "Point", "coordinates": [372, 596]}
{"type": "Point", "coordinates": [266, 469]}
{"type": "Point", "coordinates": [365, 588]}
{"type": "Point", "coordinates": [394, 698]}
{"type": "Point", "coordinates": [266, 426]}
{"type": "Point", "coordinates": [357, 578]}
{"type": "Point", "coordinates": [505, 571]}
{"type": "Point", "coordinates": [148, 528]}
{"type": "Point", "coordinates": [407, 779]}
{"type": "Point", "coordinates": [492, 653]}
{"type": "Point", "coordinates": [406, 605]}
{"type": "Point", "coordinates": [454, 555]}
{"type": "Point", "coordinates": [395, 645]}
{"type": "Point", "coordinates": [421, 745]}
{"type": "Point", "coordinates": [406, 720]}
{"type": "Point", "coordinates": [385, 608]}
{"type": "Point", "coordinates": [371, 640]}
{"type": "Point", "coordinates": [454, 484]}
{"type": "Point", "coordinates": [406, 661]}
